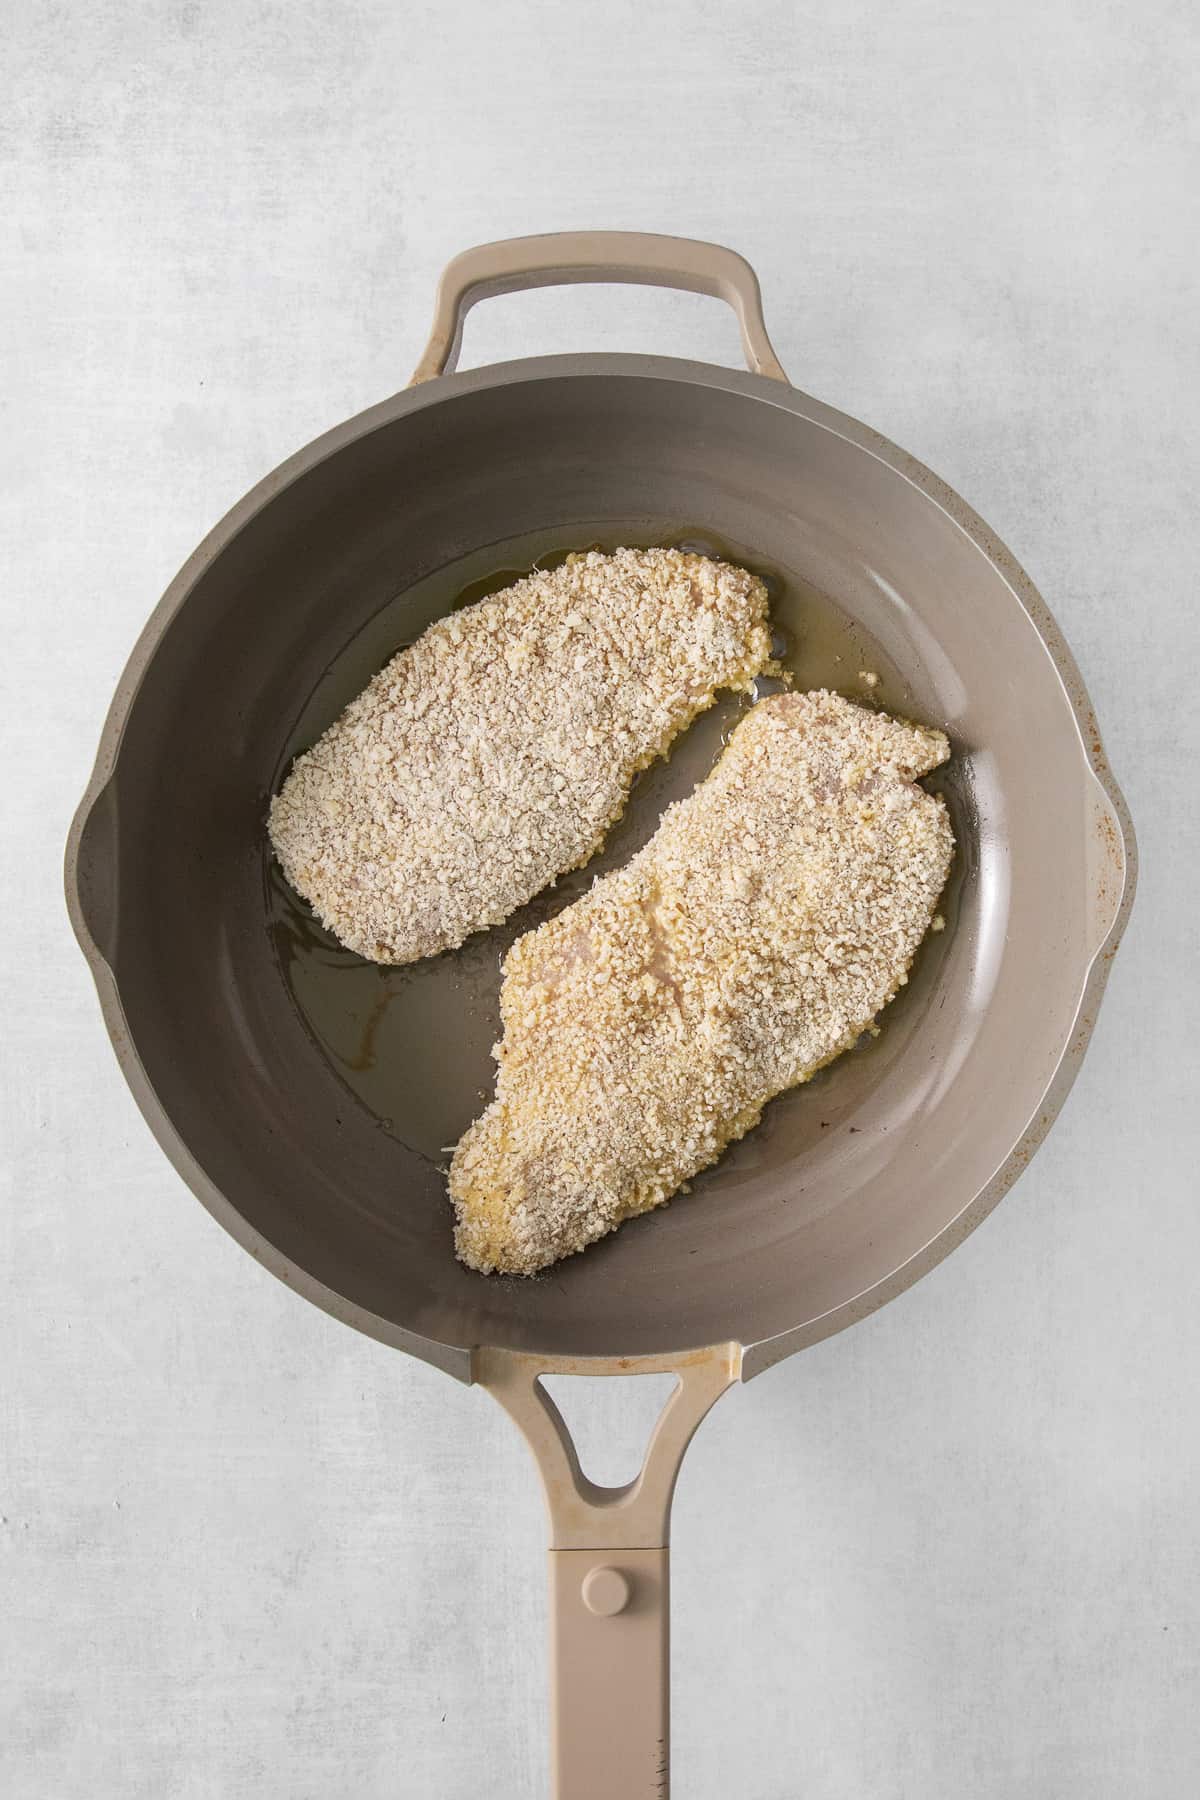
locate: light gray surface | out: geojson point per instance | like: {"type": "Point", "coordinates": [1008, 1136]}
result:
{"type": "Point", "coordinates": [951, 1552]}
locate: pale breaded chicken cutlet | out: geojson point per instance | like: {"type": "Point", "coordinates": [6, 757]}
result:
{"type": "Point", "coordinates": [493, 754]}
{"type": "Point", "coordinates": [753, 939]}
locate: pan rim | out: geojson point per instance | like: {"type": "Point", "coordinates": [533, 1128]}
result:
{"type": "Point", "coordinates": [454, 1358]}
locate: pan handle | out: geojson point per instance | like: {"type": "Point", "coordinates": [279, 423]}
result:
{"type": "Point", "coordinates": [609, 1570]}
{"type": "Point", "coordinates": [563, 257]}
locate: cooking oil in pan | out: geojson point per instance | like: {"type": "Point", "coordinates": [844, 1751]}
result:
{"type": "Point", "coordinates": [413, 1043]}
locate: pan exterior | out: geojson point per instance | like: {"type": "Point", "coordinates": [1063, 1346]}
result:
{"type": "Point", "coordinates": [165, 862]}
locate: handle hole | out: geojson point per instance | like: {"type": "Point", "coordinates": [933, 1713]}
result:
{"type": "Point", "coordinates": [610, 1422]}
{"type": "Point", "coordinates": [607, 316]}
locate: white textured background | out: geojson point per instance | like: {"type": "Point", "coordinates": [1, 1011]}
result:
{"type": "Point", "coordinates": [949, 1555]}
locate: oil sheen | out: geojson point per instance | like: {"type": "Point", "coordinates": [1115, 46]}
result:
{"type": "Point", "coordinates": [413, 1043]}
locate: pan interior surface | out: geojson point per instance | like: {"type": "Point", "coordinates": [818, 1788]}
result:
{"type": "Point", "coordinates": [319, 1094]}
{"type": "Point", "coordinates": [414, 1043]}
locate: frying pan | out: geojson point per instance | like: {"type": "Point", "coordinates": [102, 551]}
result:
{"type": "Point", "coordinates": [854, 1186]}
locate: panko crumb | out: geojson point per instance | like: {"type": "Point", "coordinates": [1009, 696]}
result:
{"type": "Point", "coordinates": [493, 754]}
{"type": "Point", "coordinates": [753, 939]}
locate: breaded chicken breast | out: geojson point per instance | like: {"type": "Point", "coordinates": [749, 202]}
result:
{"type": "Point", "coordinates": [493, 755]}
{"type": "Point", "coordinates": [753, 939]}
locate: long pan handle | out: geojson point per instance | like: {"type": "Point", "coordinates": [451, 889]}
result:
{"type": "Point", "coordinates": [609, 1582]}
{"type": "Point", "coordinates": [563, 257]}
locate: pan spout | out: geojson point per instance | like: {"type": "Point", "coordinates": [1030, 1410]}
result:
{"type": "Point", "coordinates": [1112, 868]}
{"type": "Point", "coordinates": [91, 873]}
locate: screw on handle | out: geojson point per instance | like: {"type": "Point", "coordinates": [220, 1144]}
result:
{"type": "Point", "coordinates": [609, 1569]}
{"type": "Point", "coordinates": [560, 258]}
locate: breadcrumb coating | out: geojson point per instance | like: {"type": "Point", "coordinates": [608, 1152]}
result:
{"type": "Point", "coordinates": [753, 939]}
{"type": "Point", "coordinates": [492, 755]}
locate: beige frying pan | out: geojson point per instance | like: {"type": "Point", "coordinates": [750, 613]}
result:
{"type": "Point", "coordinates": [305, 1096]}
